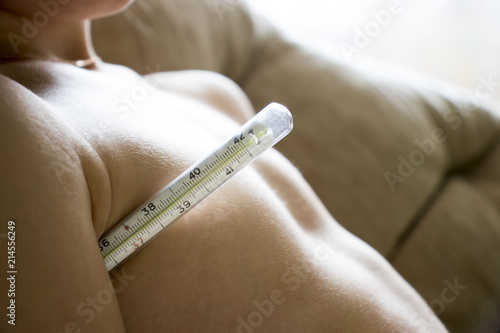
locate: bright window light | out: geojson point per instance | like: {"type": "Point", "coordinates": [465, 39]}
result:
{"type": "Point", "coordinates": [456, 40]}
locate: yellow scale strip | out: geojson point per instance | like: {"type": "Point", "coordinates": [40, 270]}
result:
{"type": "Point", "coordinates": [191, 189]}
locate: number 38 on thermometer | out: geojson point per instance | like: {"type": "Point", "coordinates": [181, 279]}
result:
{"type": "Point", "coordinates": [195, 184]}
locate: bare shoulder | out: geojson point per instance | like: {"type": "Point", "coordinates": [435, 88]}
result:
{"type": "Point", "coordinates": [33, 140]}
{"type": "Point", "coordinates": [212, 88]}
{"type": "Point", "coordinates": [57, 259]}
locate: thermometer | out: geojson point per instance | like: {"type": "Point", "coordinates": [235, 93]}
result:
{"type": "Point", "coordinates": [195, 184]}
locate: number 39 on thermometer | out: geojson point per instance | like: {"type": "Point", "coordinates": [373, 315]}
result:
{"type": "Point", "coordinates": [195, 184]}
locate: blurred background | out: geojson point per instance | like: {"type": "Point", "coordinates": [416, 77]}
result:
{"type": "Point", "coordinates": [456, 40]}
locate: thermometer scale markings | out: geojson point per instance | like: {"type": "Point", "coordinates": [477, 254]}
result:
{"type": "Point", "coordinates": [271, 125]}
{"type": "Point", "coordinates": [188, 191]}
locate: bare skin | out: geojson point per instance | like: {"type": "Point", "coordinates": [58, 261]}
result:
{"type": "Point", "coordinates": [87, 146]}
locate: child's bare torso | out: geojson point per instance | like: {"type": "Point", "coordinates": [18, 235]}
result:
{"type": "Point", "coordinates": [261, 254]}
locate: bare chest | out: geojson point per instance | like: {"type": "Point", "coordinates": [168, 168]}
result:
{"type": "Point", "coordinates": [143, 148]}
{"type": "Point", "coordinates": [132, 138]}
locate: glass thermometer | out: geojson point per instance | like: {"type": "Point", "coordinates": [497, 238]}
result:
{"type": "Point", "coordinates": [195, 184]}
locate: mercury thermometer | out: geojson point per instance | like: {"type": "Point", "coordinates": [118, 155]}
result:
{"type": "Point", "coordinates": [195, 184]}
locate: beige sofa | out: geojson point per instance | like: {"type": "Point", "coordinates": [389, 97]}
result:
{"type": "Point", "coordinates": [409, 164]}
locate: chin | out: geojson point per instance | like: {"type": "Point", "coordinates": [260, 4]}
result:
{"type": "Point", "coordinates": [91, 9]}
{"type": "Point", "coordinates": [109, 7]}
{"type": "Point", "coordinates": [67, 10]}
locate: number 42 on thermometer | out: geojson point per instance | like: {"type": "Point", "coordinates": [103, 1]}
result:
{"type": "Point", "coordinates": [260, 133]}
